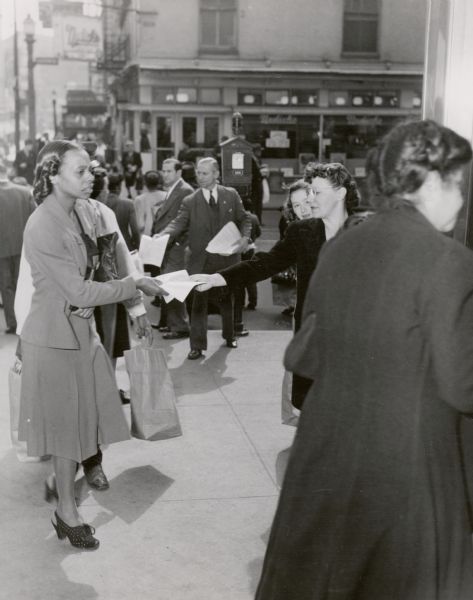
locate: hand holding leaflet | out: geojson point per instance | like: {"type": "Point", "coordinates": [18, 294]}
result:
{"type": "Point", "coordinates": [152, 249]}
{"type": "Point", "coordinates": [226, 242]}
{"type": "Point", "coordinates": [178, 285]}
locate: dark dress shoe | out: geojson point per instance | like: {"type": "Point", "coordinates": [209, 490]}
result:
{"type": "Point", "coordinates": [243, 333]}
{"type": "Point", "coordinates": [232, 344]}
{"type": "Point", "coordinates": [96, 478]}
{"type": "Point", "coordinates": [160, 327]}
{"type": "Point", "coordinates": [11, 330]}
{"type": "Point", "coordinates": [251, 307]}
{"type": "Point", "coordinates": [175, 335]}
{"type": "Point", "coordinates": [194, 354]}
{"type": "Point", "coordinates": [124, 397]}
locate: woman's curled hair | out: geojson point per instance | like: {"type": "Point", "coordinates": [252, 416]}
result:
{"type": "Point", "coordinates": [411, 149]}
{"type": "Point", "coordinates": [48, 163]}
{"type": "Point", "coordinates": [339, 176]}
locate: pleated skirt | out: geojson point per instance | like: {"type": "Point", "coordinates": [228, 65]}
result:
{"type": "Point", "coordinates": [69, 398]}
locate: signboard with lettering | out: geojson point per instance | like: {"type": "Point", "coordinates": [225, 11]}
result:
{"type": "Point", "coordinates": [80, 37]}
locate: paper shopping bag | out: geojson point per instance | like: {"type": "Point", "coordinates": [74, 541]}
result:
{"type": "Point", "coordinates": [152, 398]}
{"type": "Point", "coordinates": [14, 389]}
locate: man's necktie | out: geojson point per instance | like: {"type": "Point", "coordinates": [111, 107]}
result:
{"type": "Point", "coordinates": [212, 201]}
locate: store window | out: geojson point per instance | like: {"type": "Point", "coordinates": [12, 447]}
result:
{"type": "Point", "coordinates": [277, 97]}
{"type": "Point", "coordinates": [189, 131]}
{"type": "Point", "coordinates": [351, 136]}
{"type": "Point", "coordinates": [210, 96]}
{"type": "Point", "coordinates": [186, 96]}
{"type": "Point", "coordinates": [218, 20]}
{"type": "Point", "coordinates": [211, 129]}
{"type": "Point", "coordinates": [250, 97]}
{"type": "Point", "coordinates": [163, 95]}
{"type": "Point", "coordinates": [304, 97]}
{"type": "Point", "coordinates": [283, 136]}
{"type": "Point", "coordinates": [360, 27]}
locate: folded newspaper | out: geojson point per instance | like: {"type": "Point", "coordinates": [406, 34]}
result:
{"type": "Point", "coordinates": [177, 285]}
{"type": "Point", "coordinates": [152, 249]}
{"type": "Point", "coordinates": [226, 242]}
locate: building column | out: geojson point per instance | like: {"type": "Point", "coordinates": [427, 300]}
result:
{"type": "Point", "coordinates": [448, 85]}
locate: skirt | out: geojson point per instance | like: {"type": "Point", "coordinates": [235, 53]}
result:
{"type": "Point", "coordinates": [69, 398]}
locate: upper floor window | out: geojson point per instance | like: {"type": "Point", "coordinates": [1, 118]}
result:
{"type": "Point", "coordinates": [218, 25]}
{"type": "Point", "coordinates": [360, 27]}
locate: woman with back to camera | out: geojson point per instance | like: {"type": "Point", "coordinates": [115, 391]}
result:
{"type": "Point", "coordinates": [334, 196]}
{"type": "Point", "coordinates": [373, 506]}
{"type": "Point", "coordinates": [69, 398]}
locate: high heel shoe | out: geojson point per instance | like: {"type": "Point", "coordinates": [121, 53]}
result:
{"type": "Point", "coordinates": [80, 536]}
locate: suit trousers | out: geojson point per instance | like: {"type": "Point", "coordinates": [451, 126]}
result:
{"type": "Point", "coordinates": [199, 316]}
{"type": "Point", "coordinates": [9, 270]}
{"type": "Point", "coordinates": [175, 312]}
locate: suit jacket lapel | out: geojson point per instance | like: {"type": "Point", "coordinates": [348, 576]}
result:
{"type": "Point", "coordinates": [166, 205]}
{"type": "Point", "coordinates": [222, 203]}
{"type": "Point", "coordinates": [203, 209]}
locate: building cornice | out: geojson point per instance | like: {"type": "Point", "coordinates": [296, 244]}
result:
{"type": "Point", "coordinates": [268, 67]}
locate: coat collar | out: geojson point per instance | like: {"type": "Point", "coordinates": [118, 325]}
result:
{"type": "Point", "coordinates": [166, 205]}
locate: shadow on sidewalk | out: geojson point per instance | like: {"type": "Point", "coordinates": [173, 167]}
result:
{"type": "Point", "coordinates": [135, 490]}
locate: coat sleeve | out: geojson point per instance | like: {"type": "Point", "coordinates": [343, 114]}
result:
{"type": "Point", "coordinates": [53, 258]}
{"type": "Point", "coordinates": [448, 327]}
{"type": "Point", "coordinates": [134, 229]}
{"type": "Point", "coordinates": [264, 264]}
{"type": "Point", "coordinates": [180, 224]}
{"type": "Point", "coordinates": [242, 218]}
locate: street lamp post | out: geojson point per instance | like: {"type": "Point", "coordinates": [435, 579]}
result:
{"type": "Point", "coordinates": [54, 113]}
{"type": "Point", "coordinates": [29, 29]}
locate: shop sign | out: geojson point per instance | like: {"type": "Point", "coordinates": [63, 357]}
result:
{"type": "Point", "coordinates": [364, 121]}
{"type": "Point", "coordinates": [278, 120]}
{"type": "Point", "coordinates": [81, 38]}
{"type": "Point", "coordinates": [278, 139]}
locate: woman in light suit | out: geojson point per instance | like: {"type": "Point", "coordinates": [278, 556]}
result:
{"type": "Point", "coordinates": [69, 400]}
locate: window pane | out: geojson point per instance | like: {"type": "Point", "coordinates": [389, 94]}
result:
{"type": "Point", "coordinates": [208, 23]}
{"type": "Point", "coordinates": [227, 29]}
{"type": "Point", "coordinates": [304, 97]}
{"type": "Point", "coordinates": [210, 131]}
{"type": "Point", "coordinates": [210, 95]}
{"type": "Point", "coordinates": [250, 97]}
{"type": "Point", "coordinates": [186, 95]}
{"type": "Point", "coordinates": [189, 131]}
{"type": "Point", "coordinates": [209, 3]}
{"type": "Point", "coordinates": [163, 127]}
{"type": "Point", "coordinates": [163, 95]}
{"type": "Point", "coordinates": [360, 36]}
{"type": "Point", "coordinates": [361, 6]}
{"type": "Point", "coordinates": [277, 97]}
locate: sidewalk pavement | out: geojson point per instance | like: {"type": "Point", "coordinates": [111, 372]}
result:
{"type": "Point", "coordinates": [184, 519]}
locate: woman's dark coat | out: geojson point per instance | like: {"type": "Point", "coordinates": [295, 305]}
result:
{"type": "Point", "coordinates": [373, 505]}
{"type": "Point", "coordinates": [300, 247]}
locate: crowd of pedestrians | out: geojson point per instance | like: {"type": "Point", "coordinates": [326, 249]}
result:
{"type": "Point", "coordinates": [374, 502]}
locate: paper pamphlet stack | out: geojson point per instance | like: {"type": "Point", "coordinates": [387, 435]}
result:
{"type": "Point", "coordinates": [226, 242]}
{"type": "Point", "coordinates": [152, 249]}
{"type": "Point", "coordinates": [177, 285]}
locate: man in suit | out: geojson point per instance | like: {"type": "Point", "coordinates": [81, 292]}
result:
{"type": "Point", "coordinates": [25, 162]}
{"type": "Point", "coordinates": [132, 165]}
{"type": "Point", "coordinates": [176, 190]}
{"type": "Point", "coordinates": [16, 205]}
{"type": "Point", "coordinates": [201, 217]}
{"type": "Point", "coordinates": [125, 213]}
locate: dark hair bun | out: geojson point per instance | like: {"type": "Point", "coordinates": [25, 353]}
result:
{"type": "Point", "coordinates": [412, 149]}
{"type": "Point", "coordinates": [42, 182]}
{"type": "Point", "coordinates": [47, 165]}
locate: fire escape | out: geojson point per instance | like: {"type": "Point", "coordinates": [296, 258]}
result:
{"type": "Point", "coordinates": [115, 41]}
